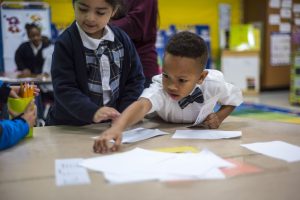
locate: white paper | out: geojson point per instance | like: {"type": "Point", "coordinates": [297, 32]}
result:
{"type": "Point", "coordinates": [68, 172]}
{"type": "Point", "coordinates": [142, 165]}
{"type": "Point", "coordinates": [276, 149]}
{"type": "Point", "coordinates": [286, 13]}
{"type": "Point", "coordinates": [274, 3]}
{"type": "Point", "coordinates": [296, 8]}
{"type": "Point", "coordinates": [285, 28]}
{"type": "Point", "coordinates": [297, 21]}
{"type": "Point", "coordinates": [274, 19]}
{"type": "Point", "coordinates": [205, 134]}
{"type": "Point", "coordinates": [140, 134]}
{"type": "Point", "coordinates": [206, 109]}
{"type": "Point", "coordinates": [280, 49]}
{"type": "Point", "coordinates": [286, 4]}
{"type": "Point", "coordinates": [130, 161]}
{"type": "Point", "coordinates": [188, 166]}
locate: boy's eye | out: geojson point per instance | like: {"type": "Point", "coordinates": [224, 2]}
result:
{"type": "Point", "coordinates": [182, 80]}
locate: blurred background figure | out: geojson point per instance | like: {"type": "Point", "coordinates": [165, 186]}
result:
{"type": "Point", "coordinates": [138, 18]}
{"type": "Point", "coordinates": [29, 57]}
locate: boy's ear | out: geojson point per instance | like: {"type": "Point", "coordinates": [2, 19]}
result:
{"type": "Point", "coordinates": [202, 76]}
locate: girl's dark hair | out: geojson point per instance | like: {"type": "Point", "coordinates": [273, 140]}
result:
{"type": "Point", "coordinates": [113, 3]}
{"type": "Point", "coordinates": [187, 44]}
{"type": "Point", "coordinates": [28, 27]}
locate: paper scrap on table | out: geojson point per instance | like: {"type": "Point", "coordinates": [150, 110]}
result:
{"type": "Point", "coordinates": [181, 149]}
{"type": "Point", "coordinates": [206, 109]}
{"type": "Point", "coordinates": [142, 165]}
{"type": "Point", "coordinates": [206, 134]}
{"type": "Point", "coordinates": [276, 149]}
{"type": "Point", "coordinates": [68, 172]}
{"type": "Point", "coordinates": [139, 134]}
{"type": "Point", "coordinates": [240, 168]}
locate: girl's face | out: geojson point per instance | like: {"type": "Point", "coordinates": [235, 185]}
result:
{"type": "Point", "coordinates": [35, 36]}
{"type": "Point", "coordinates": [92, 16]}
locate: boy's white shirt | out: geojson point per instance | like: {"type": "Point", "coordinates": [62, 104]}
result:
{"type": "Point", "coordinates": [93, 44]}
{"type": "Point", "coordinates": [169, 110]}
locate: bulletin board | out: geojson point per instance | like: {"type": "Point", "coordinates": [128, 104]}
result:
{"type": "Point", "coordinates": [276, 41]}
{"type": "Point", "coordinates": [14, 16]}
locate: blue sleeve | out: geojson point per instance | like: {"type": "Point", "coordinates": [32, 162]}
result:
{"type": "Point", "coordinates": [12, 131]}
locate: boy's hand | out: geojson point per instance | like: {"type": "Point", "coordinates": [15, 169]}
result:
{"type": "Point", "coordinates": [101, 144]}
{"type": "Point", "coordinates": [30, 114]}
{"type": "Point", "coordinates": [212, 121]}
{"type": "Point", "coordinates": [105, 113]}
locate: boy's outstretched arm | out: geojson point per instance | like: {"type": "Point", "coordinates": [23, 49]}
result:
{"type": "Point", "coordinates": [214, 120]}
{"type": "Point", "coordinates": [134, 113]}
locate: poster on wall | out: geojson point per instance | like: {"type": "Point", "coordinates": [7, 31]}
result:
{"type": "Point", "coordinates": [280, 49]}
{"type": "Point", "coordinates": [13, 23]}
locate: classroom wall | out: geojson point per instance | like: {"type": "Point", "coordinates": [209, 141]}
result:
{"type": "Point", "coordinates": [176, 12]}
{"type": "Point", "coordinates": [180, 13]}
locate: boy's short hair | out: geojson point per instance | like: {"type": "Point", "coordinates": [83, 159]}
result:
{"type": "Point", "coordinates": [187, 44]}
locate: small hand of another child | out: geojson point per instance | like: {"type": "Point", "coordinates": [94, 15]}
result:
{"type": "Point", "coordinates": [101, 144]}
{"type": "Point", "coordinates": [212, 121]}
{"type": "Point", "coordinates": [105, 113]}
{"type": "Point", "coordinates": [30, 114]}
{"type": "Point", "coordinates": [15, 91]}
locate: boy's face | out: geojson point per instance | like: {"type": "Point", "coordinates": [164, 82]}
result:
{"type": "Point", "coordinates": [92, 16]}
{"type": "Point", "coordinates": [180, 75]}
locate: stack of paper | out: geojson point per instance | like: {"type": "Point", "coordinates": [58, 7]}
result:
{"type": "Point", "coordinates": [141, 165]}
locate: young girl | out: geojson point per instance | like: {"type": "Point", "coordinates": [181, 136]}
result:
{"type": "Point", "coordinates": [96, 72]}
{"type": "Point", "coordinates": [28, 56]}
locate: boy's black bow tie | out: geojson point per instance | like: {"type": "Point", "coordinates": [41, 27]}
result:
{"type": "Point", "coordinates": [197, 96]}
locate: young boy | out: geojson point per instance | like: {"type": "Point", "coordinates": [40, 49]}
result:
{"type": "Point", "coordinates": [179, 93]}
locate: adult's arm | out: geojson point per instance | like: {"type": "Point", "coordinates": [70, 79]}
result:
{"type": "Point", "coordinates": [135, 22]}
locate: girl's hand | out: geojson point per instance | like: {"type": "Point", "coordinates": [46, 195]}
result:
{"type": "Point", "coordinates": [101, 144]}
{"type": "Point", "coordinates": [212, 121]}
{"type": "Point", "coordinates": [105, 113]}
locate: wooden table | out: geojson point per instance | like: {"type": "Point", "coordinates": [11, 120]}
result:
{"type": "Point", "coordinates": [27, 170]}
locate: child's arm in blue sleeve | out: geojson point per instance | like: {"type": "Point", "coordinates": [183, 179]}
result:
{"type": "Point", "coordinates": [12, 131]}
